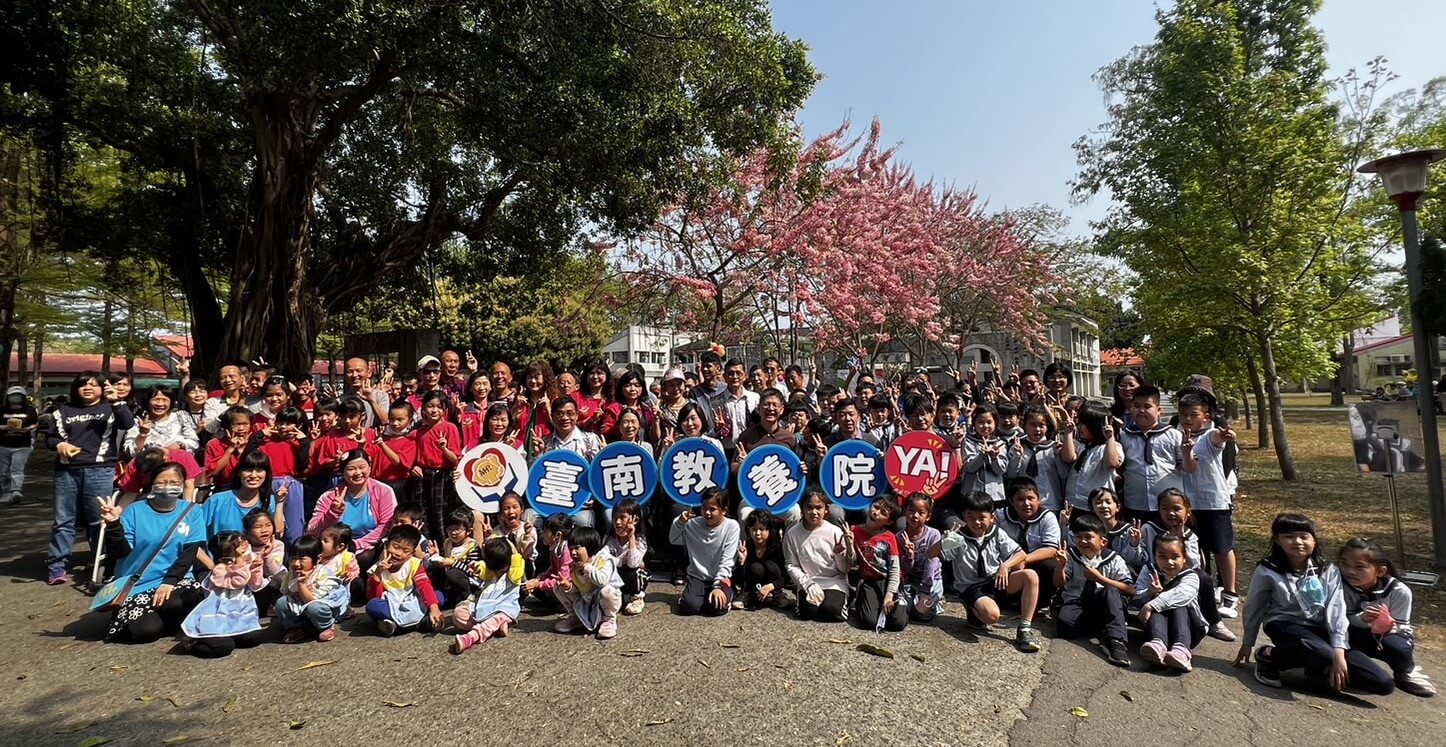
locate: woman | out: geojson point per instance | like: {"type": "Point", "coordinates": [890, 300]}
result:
{"type": "Point", "coordinates": [156, 540]}
{"type": "Point", "coordinates": [1126, 383]}
{"type": "Point", "coordinates": [471, 417]}
{"type": "Point", "coordinates": [532, 410]}
{"type": "Point", "coordinates": [498, 426]}
{"type": "Point", "coordinates": [592, 395]}
{"type": "Point", "coordinates": [250, 488]}
{"type": "Point", "coordinates": [162, 426]}
{"type": "Point", "coordinates": [362, 503]}
{"type": "Point", "coordinates": [83, 436]}
{"type": "Point", "coordinates": [628, 393]}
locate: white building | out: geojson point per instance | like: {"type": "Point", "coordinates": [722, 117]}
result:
{"type": "Point", "coordinates": [649, 347]}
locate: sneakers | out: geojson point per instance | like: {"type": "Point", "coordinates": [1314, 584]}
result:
{"type": "Point", "coordinates": [1416, 683]}
{"type": "Point", "coordinates": [607, 629]}
{"type": "Point", "coordinates": [1115, 652]}
{"type": "Point", "coordinates": [979, 625]}
{"type": "Point", "coordinates": [1218, 631]}
{"type": "Point", "coordinates": [1229, 606]}
{"type": "Point", "coordinates": [1154, 652]}
{"type": "Point", "coordinates": [1178, 657]}
{"type": "Point", "coordinates": [9, 499]}
{"type": "Point", "coordinates": [387, 628]}
{"type": "Point", "coordinates": [326, 635]}
{"type": "Point", "coordinates": [679, 577]}
{"type": "Point", "coordinates": [1265, 671]}
{"type": "Point", "coordinates": [1025, 639]}
{"type": "Point", "coordinates": [58, 577]}
{"type": "Point", "coordinates": [294, 635]}
{"type": "Point", "coordinates": [464, 641]}
{"type": "Point", "coordinates": [738, 602]}
{"type": "Point", "coordinates": [568, 624]}
{"type": "Point", "coordinates": [634, 607]}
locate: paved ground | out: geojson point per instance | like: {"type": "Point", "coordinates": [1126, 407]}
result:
{"type": "Point", "coordinates": [750, 677]}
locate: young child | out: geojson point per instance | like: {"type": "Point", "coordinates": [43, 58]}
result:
{"type": "Point", "coordinates": [1152, 455]}
{"type": "Point", "coordinates": [922, 590]}
{"type": "Point", "coordinates": [226, 619]}
{"type": "Point", "coordinates": [988, 563]}
{"type": "Point", "coordinates": [282, 443]}
{"type": "Point", "coordinates": [818, 556]}
{"type": "Point", "coordinates": [261, 535]}
{"type": "Point", "coordinates": [1169, 592]}
{"type": "Point", "coordinates": [985, 457]}
{"type": "Point", "coordinates": [223, 452]}
{"type": "Point", "coordinates": [337, 554]}
{"type": "Point", "coordinates": [497, 606]}
{"type": "Point", "coordinates": [554, 537]}
{"type": "Point", "coordinates": [1033, 529]}
{"type": "Point", "coordinates": [628, 547]}
{"type": "Point", "coordinates": [522, 534]}
{"type": "Point", "coordinates": [712, 543]}
{"type": "Point", "coordinates": [1297, 597]}
{"type": "Point", "coordinates": [593, 595]}
{"type": "Point", "coordinates": [1095, 581]}
{"type": "Point", "coordinates": [395, 453]}
{"type": "Point", "coordinates": [438, 451]}
{"type": "Point", "coordinates": [399, 594]}
{"type": "Point", "coordinates": [1046, 456]}
{"type": "Point", "coordinates": [1202, 450]}
{"type": "Point", "coordinates": [1009, 428]}
{"type": "Point", "coordinates": [1123, 538]}
{"type": "Point", "coordinates": [1098, 456]}
{"type": "Point", "coordinates": [314, 597]}
{"type": "Point", "coordinates": [1378, 607]}
{"type": "Point", "coordinates": [760, 573]}
{"type": "Point", "coordinates": [876, 604]}
{"type": "Point", "coordinates": [413, 515]}
{"type": "Point", "coordinates": [1176, 517]}
{"type": "Point", "coordinates": [453, 568]}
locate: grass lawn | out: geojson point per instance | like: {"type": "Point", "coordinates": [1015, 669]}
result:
{"type": "Point", "coordinates": [1315, 399]}
{"type": "Point", "coordinates": [1343, 503]}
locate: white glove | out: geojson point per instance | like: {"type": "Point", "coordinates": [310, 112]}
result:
{"type": "Point", "coordinates": [813, 594]}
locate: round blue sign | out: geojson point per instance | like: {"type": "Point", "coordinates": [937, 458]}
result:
{"type": "Point", "coordinates": [690, 467]}
{"type": "Point", "coordinates": [771, 479]}
{"type": "Point", "coordinates": [852, 474]}
{"type": "Point", "coordinates": [557, 483]}
{"type": "Point", "coordinates": [620, 471]}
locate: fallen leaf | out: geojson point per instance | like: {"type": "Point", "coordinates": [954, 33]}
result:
{"type": "Point", "coordinates": [633, 652]}
{"type": "Point", "coordinates": [1313, 705]}
{"type": "Point", "coordinates": [705, 664]}
{"type": "Point", "coordinates": [659, 722]}
{"type": "Point", "coordinates": [175, 740]}
{"type": "Point", "coordinates": [94, 741]}
{"type": "Point", "coordinates": [230, 704]}
{"type": "Point", "coordinates": [153, 698]}
{"type": "Point", "coordinates": [678, 703]}
{"type": "Point", "coordinates": [119, 668]}
{"type": "Point", "coordinates": [21, 677]}
{"type": "Point", "coordinates": [742, 669]}
{"type": "Point", "coordinates": [918, 657]}
{"type": "Point", "coordinates": [398, 704]}
{"type": "Point", "coordinates": [65, 646]}
{"type": "Point", "coordinates": [314, 665]}
{"type": "Point", "coordinates": [870, 648]}
{"type": "Point", "coordinates": [844, 641]}
{"type": "Point", "coordinates": [729, 645]}
{"type": "Point", "coordinates": [294, 725]}
{"type": "Point", "coordinates": [1127, 696]}
{"type": "Point", "coordinates": [73, 729]}
{"type": "Point", "coordinates": [1078, 712]}
{"type": "Point", "coordinates": [843, 739]}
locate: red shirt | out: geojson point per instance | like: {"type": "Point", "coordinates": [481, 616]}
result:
{"type": "Point", "coordinates": [875, 552]}
{"type": "Point", "coordinates": [132, 481]}
{"type": "Point", "coordinates": [471, 422]}
{"type": "Point", "coordinates": [286, 456]}
{"type": "Point", "coordinates": [383, 468]}
{"type": "Point", "coordinates": [429, 455]}
{"type": "Point", "coordinates": [614, 410]}
{"type": "Point", "coordinates": [543, 426]}
{"type": "Point", "coordinates": [325, 448]}
{"type": "Point", "coordinates": [589, 412]}
{"type": "Point", "coordinates": [215, 448]}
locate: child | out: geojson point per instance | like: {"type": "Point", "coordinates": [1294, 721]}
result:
{"type": "Point", "coordinates": [314, 597]}
{"type": "Point", "coordinates": [336, 552]}
{"type": "Point", "coordinates": [593, 595]}
{"type": "Point", "coordinates": [1298, 599]}
{"type": "Point", "coordinates": [554, 537]}
{"type": "Point", "coordinates": [281, 442]}
{"type": "Point", "coordinates": [522, 534]}
{"type": "Point", "coordinates": [883, 424]}
{"type": "Point", "coordinates": [1202, 450]}
{"type": "Point", "coordinates": [876, 605]}
{"type": "Point", "coordinates": [413, 515]}
{"type": "Point", "coordinates": [261, 534]}
{"type": "Point", "coordinates": [1033, 529]}
{"type": "Point", "coordinates": [922, 590]}
{"type": "Point", "coordinates": [985, 457]}
{"type": "Point", "coordinates": [223, 453]}
{"type": "Point", "coordinates": [712, 544]}
{"type": "Point", "coordinates": [1378, 607]}
{"type": "Point", "coordinates": [1176, 517]}
{"type": "Point", "coordinates": [1097, 459]}
{"type": "Point", "coordinates": [1169, 590]}
{"type": "Point", "coordinates": [398, 589]}
{"type": "Point", "coordinates": [1152, 453]}
{"type": "Point", "coordinates": [628, 547]}
{"type": "Point", "coordinates": [761, 565]}
{"type": "Point", "coordinates": [438, 447]}
{"type": "Point", "coordinates": [395, 453]}
{"type": "Point", "coordinates": [1045, 456]}
{"type": "Point", "coordinates": [1095, 581]}
{"type": "Point", "coordinates": [226, 619]}
{"type": "Point", "coordinates": [1008, 414]}
{"type": "Point", "coordinates": [818, 556]}
{"type": "Point", "coordinates": [987, 563]}
{"type": "Point", "coordinates": [451, 569]}
{"type": "Point", "coordinates": [497, 605]}
{"type": "Point", "coordinates": [1124, 538]}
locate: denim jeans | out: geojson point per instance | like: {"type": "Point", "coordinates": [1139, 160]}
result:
{"type": "Point", "coordinates": [12, 468]}
{"type": "Point", "coordinates": [319, 613]}
{"type": "Point", "coordinates": [78, 491]}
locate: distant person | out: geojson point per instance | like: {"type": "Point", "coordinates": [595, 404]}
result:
{"type": "Point", "coordinates": [18, 422]}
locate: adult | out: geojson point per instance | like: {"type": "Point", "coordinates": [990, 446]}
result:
{"type": "Point", "coordinates": [628, 394]}
{"type": "Point", "coordinates": [1058, 381]}
{"type": "Point", "coordinates": [532, 408]}
{"type": "Point", "coordinates": [732, 408]}
{"type": "Point", "coordinates": [454, 379]}
{"type": "Point", "coordinates": [17, 440]}
{"type": "Point", "coordinates": [159, 424]}
{"type": "Point", "coordinates": [156, 540]}
{"type": "Point", "coordinates": [83, 437]}
{"type": "Point", "coordinates": [592, 395]}
{"type": "Point", "coordinates": [773, 376]}
{"type": "Point", "coordinates": [670, 401]}
{"type": "Point", "coordinates": [566, 436]}
{"type": "Point", "coordinates": [232, 379]}
{"type": "Point", "coordinates": [362, 503]}
{"type": "Point", "coordinates": [710, 382]}
{"type": "Point", "coordinates": [795, 381]}
{"type": "Point", "coordinates": [1031, 389]}
{"type": "Point", "coordinates": [501, 374]}
{"type": "Point", "coordinates": [472, 410]}
{"type": "Point", "coordinates": [429, 379]}
{"type": "Point", "coordinates": [250, 489]}
{"type": "Point", "coordinates": [1124, 388]}
{"type": "Point", "coordinates": [767, 430]}
{"type": "Point", "coordinates": [357, 383]}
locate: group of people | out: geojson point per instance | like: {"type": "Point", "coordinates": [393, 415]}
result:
{"type": "Point", "coordinates": [264, 497]}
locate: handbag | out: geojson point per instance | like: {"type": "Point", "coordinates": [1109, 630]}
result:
{"type": "Point", "coordinates": [118, 589]}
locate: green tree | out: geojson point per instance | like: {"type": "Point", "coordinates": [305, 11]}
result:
{"type": "Point", "coordinates": [1231, 174]}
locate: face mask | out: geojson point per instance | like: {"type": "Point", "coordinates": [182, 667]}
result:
{"type": "Point", "coordinates": [1310, 594]}
{"type": "Point", "coordinates": [164, 497]}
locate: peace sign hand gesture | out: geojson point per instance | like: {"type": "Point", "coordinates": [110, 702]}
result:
{"type": "Point", "coordinates": [1156, 588]}
{"type": "Point", "coordinates": [1136, 533]}
{"type": "Point", "coordinates": [110, 513]}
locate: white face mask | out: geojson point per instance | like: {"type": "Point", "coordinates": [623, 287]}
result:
{"type": "Point", "coordinates": [165, 496]}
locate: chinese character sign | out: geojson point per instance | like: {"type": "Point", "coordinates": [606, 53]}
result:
{"type": "Point", "coordinates": [921, 462]}
{"type": "Point", "coordinates": [620, 471]}
{"type": "Point", "coordinates": [557, 483]}
{"type": "Point", "coordinates": [487, 471]}
{"type": "Point", "coordinates": [690, 467]}
{"type": "Point", "coordinates": [852, 474]}
{"type": "Point", "coordinates": [771, 479]}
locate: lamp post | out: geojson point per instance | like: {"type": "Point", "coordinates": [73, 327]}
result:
{"type": "Point", "coordinates": [1404, 176]}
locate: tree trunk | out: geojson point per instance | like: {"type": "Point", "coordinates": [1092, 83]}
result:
{"type": "Point", "coordinates": [1338, 383]}
{"type": "Point", "coordinates": [1261, 432]}
{"type": "Point", "coordinates": [22, 361]}
{"type": "Point", "coordinates": [1277, 412]}
{"type": "Point", "coordinates": [1245, 405]}
{"type": "Point", "coordinates": [107, 332]}
{"type": "Point", "coordinates": [10, 245]}
{"type": "Point", "coordinates": [7, 331]}
{"type": "Point", "coordinates": [130, 351]}
{"type": "Point", "coordinates": [39, 371]}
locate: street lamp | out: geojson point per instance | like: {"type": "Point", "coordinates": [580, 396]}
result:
{"type": "Point", "coordinates": [1404, 176]}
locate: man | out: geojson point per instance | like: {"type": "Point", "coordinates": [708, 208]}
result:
{"type": "Point", "coordinates": [18, 421]}
{"type": "Point", "coordinates": [260, 371]}
{"type": "Point", "coordinates": [1031, 389]}
{"type": "Point", "coordinates": [709, 386]}
{"type": "Point", "coordinates": [794, 380]}
{"type": "Point", "coordinates": [732, 408]}
{"type": "Point", "coordinates": [773, 376]}
{"type": "Point", "coordinates": [501, 376]}
{"type": "Point", "coordinates": [358, 384]}
{"type": "Point", "coordinates": [232, 378]}
{"type": "Point", "coordinates": [454, 379]}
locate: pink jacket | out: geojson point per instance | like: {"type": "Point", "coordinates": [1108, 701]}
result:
{"type": "Point", "coordinates": [238, 575]}
{"type": "Point", "coordinates": [383, 502]}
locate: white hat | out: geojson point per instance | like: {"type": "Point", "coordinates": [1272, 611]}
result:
{"type": "Point", "coordinates": [673, 374]}
{"type": "Point", "coordinates": [424, 360]}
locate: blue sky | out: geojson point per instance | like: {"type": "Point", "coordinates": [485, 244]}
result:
{"type": "Point", "coordinates": [993, 94]}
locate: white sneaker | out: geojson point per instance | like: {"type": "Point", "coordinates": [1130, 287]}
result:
{"type": "Point", "coordinates": [1229, 607]}
{"type": "Point", "coordinates": [1218, 631]}
{"type": "Point", "coordinates": [1416, 683]}
{"type": "Point", "coordinates": [634, 607]}
{"type": "Point", "coordinates": [9, 499]}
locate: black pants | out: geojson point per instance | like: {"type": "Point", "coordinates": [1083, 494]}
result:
{"type": "Point", "coordinates": [831, 609]}
{"type": "Point", "coordinates": [453, 582]}
{"type": "Point", "coordinates": [757, 573]}
{"type": "Point", "coordinates": [1175, 627]}
{"type": "Point", "coordinates": [156, 621]}
{"type": "Point", "coordinates": [215, 648]}
{"type": "Point", "coordinates": [364, 562]}
{"type": "Point", "coordinates": [437, 494]}
{"type": "Point", "coordinates": [265, 599]}
{"type": "Point", "coordinates": [1307, 647]}
{"type": "Point", "coordinates": [1398, 651]}
{"type": "Point", "coordinates": [695, 599]}
{"type": "Point", "coordinates": [1209, 608]}
{"type": "Point", "coordinates": [1100, 611]}
{"type": "Point", "coordinates": [869, 604]}
{"type": "Point", "coordinates": [635, 581]}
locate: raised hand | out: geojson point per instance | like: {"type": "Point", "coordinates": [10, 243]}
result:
{"type": "Point", "coordinates": [110, 513]}
{"type": "Point", "coordinates": [1136, 532]}
{"type": "Point", "coordinates": [1156, 588]}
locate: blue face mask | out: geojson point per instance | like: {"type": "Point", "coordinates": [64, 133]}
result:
{"type": "Point", "coordinates": [1311, 595]}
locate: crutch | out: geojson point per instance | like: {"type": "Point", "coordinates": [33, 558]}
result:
{"type": "Point", "coordinates": [98, 568]}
